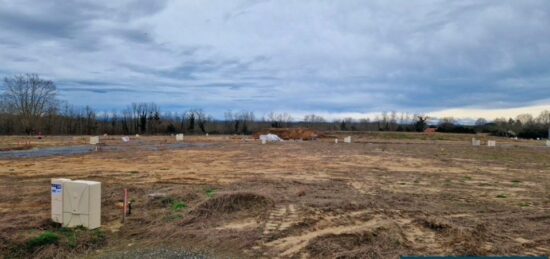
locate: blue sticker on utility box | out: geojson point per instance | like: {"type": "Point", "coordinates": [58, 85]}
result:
{"type": "Point", "coordinates": [57, 189]}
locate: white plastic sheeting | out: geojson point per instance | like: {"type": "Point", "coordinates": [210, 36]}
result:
{"type": "Point", "coordinates": [125, 139]}
{"type": "Point", "coordinates": [270, 138]}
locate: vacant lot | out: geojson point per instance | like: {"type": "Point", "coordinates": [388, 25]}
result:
{"type": "Point", "coordinates": [382, 196]}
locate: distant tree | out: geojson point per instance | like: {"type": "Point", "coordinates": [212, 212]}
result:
{"type": "Point", "coordinates": [29, 97]}
{"type": "Point", "coordinates": [544, 118]}
{"type": "Point", "coordinates": [481, 122]}
{"type": "Point", "coordinates": [421, 122]}
{"type": "Point", "coordinates": [446, 124]}
{"type": "Point", "coordinates": [191, 121]}
{"type": "Point", "coordinates": [525, 118]}
{"type": "Point", "coordinates": [281, 120]}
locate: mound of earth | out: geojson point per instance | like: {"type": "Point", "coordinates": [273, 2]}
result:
{"type": "Point", "coordinates": [291, 133]}
{"type": "Point", "coordinates": [231, 203]}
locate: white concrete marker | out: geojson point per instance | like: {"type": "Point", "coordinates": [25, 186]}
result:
{"type": "Point", "coordinates": [347, 139]}
{"type": "Point", "coordinates": [125, 139]}
{"type": "Point", "coordinates": [476, 142]}
{"type": "Point", "coordinates": [548, 143]}
{"type": "Point", "coordinates": [179, 137]}
{"type": "Point", "coordinates": [491, 143]}
{"type": "Point", "coordinates": [335, 141]}
{"type": "Point", "coordinates": [94, 140]}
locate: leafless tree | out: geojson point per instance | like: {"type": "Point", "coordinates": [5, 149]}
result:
{"type": "Point", "coordinates": [280, 120]}
{"type": "Point", "coordinates": [29, 97]}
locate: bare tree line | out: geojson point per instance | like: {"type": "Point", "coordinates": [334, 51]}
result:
{"type": "Point", "coordinates": [29, 105]}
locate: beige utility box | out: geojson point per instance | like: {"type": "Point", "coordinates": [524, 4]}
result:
{"type": "Point", "coordinates": [94, 140]}
{"type": "Point", "coordinates": [57, 198]}
{"type": "Point", "coordinates": [82, 204]}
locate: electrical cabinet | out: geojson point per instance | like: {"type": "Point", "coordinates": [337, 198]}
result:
{"type": "Point", "coordinates": [82, 204]}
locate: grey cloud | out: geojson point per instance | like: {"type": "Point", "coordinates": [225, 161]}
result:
{"type": "Point", "coordinates": [334, 56]}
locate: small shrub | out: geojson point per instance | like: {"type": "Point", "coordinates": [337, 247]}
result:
{"type": "Point", "coordinates": [501, 196]}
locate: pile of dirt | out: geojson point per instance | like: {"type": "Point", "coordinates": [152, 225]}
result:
{"type": "Point", "coordinates": [231, 203]}
{"type": "Point", "coordinates": [291, 133]}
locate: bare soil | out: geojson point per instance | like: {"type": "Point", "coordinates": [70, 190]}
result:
{"type": "Point", "coordinates": [382, 196]}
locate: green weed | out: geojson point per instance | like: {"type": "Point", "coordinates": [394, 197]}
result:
{"type": "Point", "coordinates": [178, 206]}
{"type": "Point", "coordinates": [210, 192]}
{"type": "Point", "coordinates": [46, 238]}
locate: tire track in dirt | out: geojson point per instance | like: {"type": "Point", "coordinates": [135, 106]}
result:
{"type": "Point", "coordinates": [281, 218]}
{"type": "Point", "coordinates": [291, 245]}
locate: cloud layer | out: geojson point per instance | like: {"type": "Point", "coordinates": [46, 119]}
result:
{"type": "Point", "coordinates": [295, 56]}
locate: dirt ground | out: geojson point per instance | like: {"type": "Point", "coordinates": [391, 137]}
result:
{"type": "Point", "coordinates": [384, 195]}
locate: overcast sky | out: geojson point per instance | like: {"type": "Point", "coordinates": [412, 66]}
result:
{"type": "Point", "coordinates": [328, 57]}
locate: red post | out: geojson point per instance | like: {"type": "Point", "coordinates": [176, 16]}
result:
{"type": "Point", "coordinates": [125, 205]}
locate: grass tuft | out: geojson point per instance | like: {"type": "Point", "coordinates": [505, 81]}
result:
{"type": "Point", "coordinates": [46, 238]}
